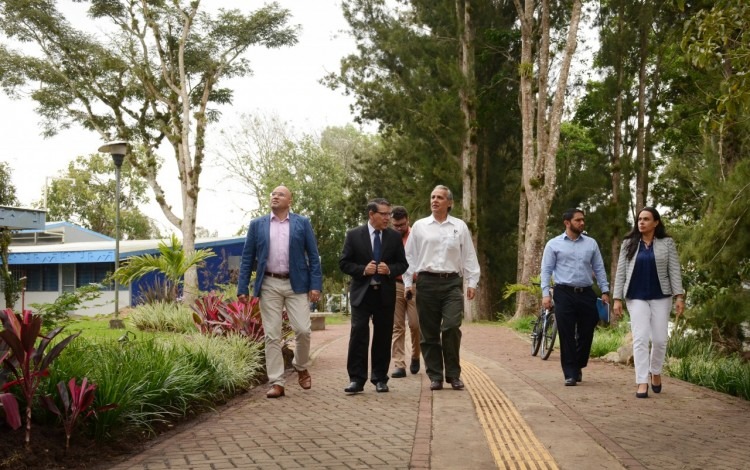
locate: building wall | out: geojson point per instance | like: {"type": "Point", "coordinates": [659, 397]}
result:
{"type": "Point", "coordinates": [104, 305]}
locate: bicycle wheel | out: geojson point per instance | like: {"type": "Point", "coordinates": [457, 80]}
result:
{"type": "Point", "coordinates": [550, 333]}
{"type": "Point", "coordinates": [536, 336]}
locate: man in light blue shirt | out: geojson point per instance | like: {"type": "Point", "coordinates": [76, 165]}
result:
{"type": "Point", "coordinates": [574, 259]}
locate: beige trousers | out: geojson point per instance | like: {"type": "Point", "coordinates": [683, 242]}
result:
{"type": "Point", "coordinates": [275, 294]}
{"type": "Point", "coordinates": [405, 311]}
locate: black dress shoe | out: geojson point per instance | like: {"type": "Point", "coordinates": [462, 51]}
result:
{"type": "Point", "coordinates": [570, 382]}
{"type": "Point", "coordinates": [655, 388]}
{"type": "Point", "coordinates": [354, 387]}
{"type": "Point", "coordinates": [381, 387]}
{"type": "Point", "coordinates": [642, 394]}
{"type": "Point", "coordinates": [398, 373]}
{"type": "Point", "coordinates": [457, 384]}
{"type": "Point", "coordinates": [436, 385]}
{"type": "Point", "coordinates": [414, 366]}
{"type": "Point", "coordinates": [579, 377]}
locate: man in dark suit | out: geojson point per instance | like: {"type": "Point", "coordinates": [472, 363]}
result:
{"type": "Point", "coordinates": [288, 275]}
{"type": "Point", "coordinates": [373, 256]}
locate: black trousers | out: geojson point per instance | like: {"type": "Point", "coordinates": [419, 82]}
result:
{"type": "Point", "coordinates": [380, 310]}
{"type": "Point", "coordinates": [577, 317]}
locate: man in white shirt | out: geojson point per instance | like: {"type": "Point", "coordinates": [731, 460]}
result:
{"type": "Point", "coordinates": [441, 252]}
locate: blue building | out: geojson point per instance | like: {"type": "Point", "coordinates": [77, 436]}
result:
{"type": "Point", "coordinates": [64, 256]}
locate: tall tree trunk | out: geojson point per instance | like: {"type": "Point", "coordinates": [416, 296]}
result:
{"type": "Point", "coordinates": [538, 166]}
{"type": "Point", "coordinates": [617, 148]}
{"type": "Point", "coordinates": [641, 181]}
{"type": "Point", "coordinates": [467, 97]}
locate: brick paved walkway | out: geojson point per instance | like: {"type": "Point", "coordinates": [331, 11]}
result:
{"type": "Point", "coordinates": [598, 424]}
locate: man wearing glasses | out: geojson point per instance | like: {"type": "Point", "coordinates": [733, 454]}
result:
{"type": "Point", "coordinates": [282, 247]}
{"type": "Point", "coordinates": [373, 256]}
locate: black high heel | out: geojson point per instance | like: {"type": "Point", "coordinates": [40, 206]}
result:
{"type": "Point", "coordinates": [641, 394]}
{"type": "Point", "coordinates": [655, 388]}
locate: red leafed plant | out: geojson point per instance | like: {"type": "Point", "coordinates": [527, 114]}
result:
{"type": "Point", "coordinates": [76, 405]}
{"type": "Point", "coordinates": [213, 315]}
{"type": "Point", "coordinates": [27, 362]}
{"type": "Point", "coordinates": [208, 315]}
{"type": "Point", "coordinates": [8, 400]}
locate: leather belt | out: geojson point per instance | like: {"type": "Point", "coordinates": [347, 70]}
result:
{"type": "Point", "coordinates": [577, 290]}
{"type": "Point", "coordinates": [440, 275]}
{"type": "Point", "coordinates": [277, 276]}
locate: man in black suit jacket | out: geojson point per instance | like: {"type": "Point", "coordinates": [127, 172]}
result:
{"type": "Point", "coordinates": [373, 256]}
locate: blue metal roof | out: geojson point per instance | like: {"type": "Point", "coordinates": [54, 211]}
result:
{"type": "Point", "coordinates": [97, 252]}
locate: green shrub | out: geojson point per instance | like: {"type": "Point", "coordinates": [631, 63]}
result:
{"type": "Point", "coordinates": [683, 344]}
{"type": "Point", "coordinates": [523, 324]}
{"type": "Point", "coordinates": [163, 316]}
{"type": "Point", "coordinates": [607, 340]}
{"type": "Point", "coordinates": [158, 379]}
{"type": "Point", "coordinates": [729, 375]}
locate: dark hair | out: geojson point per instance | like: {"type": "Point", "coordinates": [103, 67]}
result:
{"type": "Point", "coordinates": [634, 235]}
{"type": "Point", "coordinates": [372, 206]}
{"type": "Point", "coordinates": [399, 212]}
{"type": "Point", "coordinates": [568, 214]}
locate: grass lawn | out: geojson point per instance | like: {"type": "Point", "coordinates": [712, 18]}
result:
{"type": "Point", "coordinates": [98, 327]}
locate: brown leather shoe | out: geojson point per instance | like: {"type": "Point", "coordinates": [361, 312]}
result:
{"type": "Point", "coordinates": [305, 381]}
{"type": "Point", "coordinates": [275, 391]}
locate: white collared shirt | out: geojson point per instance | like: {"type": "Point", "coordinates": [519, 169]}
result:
{"type": "Point", "coordinates": [441, 248]}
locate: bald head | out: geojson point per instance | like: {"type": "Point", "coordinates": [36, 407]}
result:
{"type": "Point", "coordinates": [281, 200]}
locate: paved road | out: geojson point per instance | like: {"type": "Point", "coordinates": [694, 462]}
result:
{"type": "Point", "coordinates": [514, 413]}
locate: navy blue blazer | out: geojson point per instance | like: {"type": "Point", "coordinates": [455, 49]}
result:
{"type": "Point", "coordinates": [357, 254]}
{"type": "Point", "coordinates": [304, 261]}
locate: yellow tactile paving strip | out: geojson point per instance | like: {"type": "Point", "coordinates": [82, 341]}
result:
{"type": "Point", "coordinates": [512, 442]}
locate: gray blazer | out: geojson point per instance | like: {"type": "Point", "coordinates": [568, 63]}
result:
{"type": "Point", "coordinates": [667, 268]}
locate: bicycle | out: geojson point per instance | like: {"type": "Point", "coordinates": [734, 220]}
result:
{"type": "Point", "coordinates": [544, 333]}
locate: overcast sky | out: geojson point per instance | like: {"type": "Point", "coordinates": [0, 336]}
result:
{"type": "Point", "coordinates": [285, 83]}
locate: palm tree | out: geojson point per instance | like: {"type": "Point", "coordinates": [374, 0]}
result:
{"type": "Point", "coordinates": [172, 261]}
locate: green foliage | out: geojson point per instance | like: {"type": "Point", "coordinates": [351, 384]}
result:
{"type": "Point", "coordinates": [266, 154]}
{"type": "Point", "coordinates": [7, 189]}
{"type": "Point", "coordinates": [85, 194]}
{"type": "Point", "coordinates": [10, 286]}
{"type": "Point", "coordinates": [58, 312]}
{"type": "Point", "coordinates": [158, 380]}
{"type": "Point", "coordinates": [523, 324]}
{"type": "Point", "coordinates": [729, 375]}
{"type": "Point", "coordinates": [606, 340]}
{"type": "Point", "coordinates": [682, 344]}
{"type": "Point", "coordinates": [405, 76]}
{"type": "Point", "coordinates": [716, 39]}
{"type": "Point", "coordinates": [172, 261]}
{"type": "Point", "coordinates": [151, 77]}
{"type": "Point", "coordinates": [163, 316]}
{"type": "Point", "coordinates": [534, 287]}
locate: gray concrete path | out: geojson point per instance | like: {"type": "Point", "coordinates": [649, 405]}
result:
{"type": "Point", "coordinates": [514, 413]}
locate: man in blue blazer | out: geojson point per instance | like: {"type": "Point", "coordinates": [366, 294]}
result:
{"type": "Point", "coordinates": [373, 256]}
{"type": "Point", "coordinates": [282, 248]}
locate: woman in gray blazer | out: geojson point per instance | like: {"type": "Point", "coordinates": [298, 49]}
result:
{"type": "Point", "coordinates": [648, 278]}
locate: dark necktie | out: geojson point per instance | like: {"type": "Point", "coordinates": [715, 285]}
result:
{"type": "Point", "coordinates": [376, 249]}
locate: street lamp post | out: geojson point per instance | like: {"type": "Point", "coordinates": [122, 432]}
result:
{"type": "Point", "coordinates": [118, 149]}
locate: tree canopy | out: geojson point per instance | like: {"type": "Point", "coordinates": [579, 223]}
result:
{"type": "Point", "coordinates": [153, 79]}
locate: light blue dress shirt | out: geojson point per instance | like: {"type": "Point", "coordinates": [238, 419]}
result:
{"type": "Point", "coordinates": [573, 263]}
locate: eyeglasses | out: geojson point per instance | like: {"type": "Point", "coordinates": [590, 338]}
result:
{"type": "Point", "coordinates": [387, 214]}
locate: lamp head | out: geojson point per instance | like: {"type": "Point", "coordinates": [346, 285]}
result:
{"type": "Point", "coordinates": [117, 148]}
